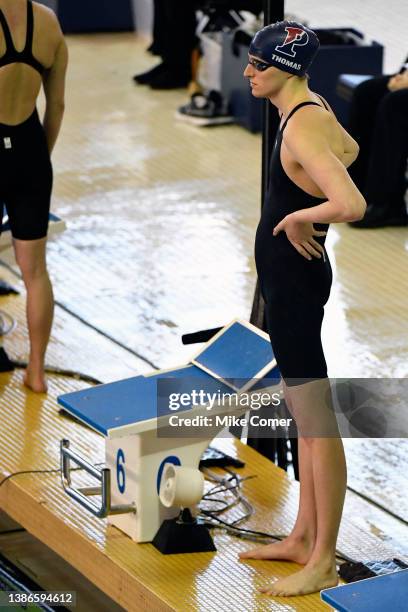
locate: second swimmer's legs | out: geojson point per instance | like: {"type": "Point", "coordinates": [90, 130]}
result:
{"type": "Point", "coordinates": [31, 258]}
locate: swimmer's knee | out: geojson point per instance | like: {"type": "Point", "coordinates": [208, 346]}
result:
{"type": "Point", "coordinates": [30, 258]}
{"type": "Point", "coordinates": [32, 271]}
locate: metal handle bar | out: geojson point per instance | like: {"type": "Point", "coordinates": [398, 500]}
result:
{"type": "Point", "coordinates": [80, 495]}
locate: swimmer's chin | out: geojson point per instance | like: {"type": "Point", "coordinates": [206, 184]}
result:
{"type": "Point", "coordinates": [257, 95]}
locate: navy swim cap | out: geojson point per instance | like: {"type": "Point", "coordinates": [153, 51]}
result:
{"type": "Point", "coordinates": [287, 45]}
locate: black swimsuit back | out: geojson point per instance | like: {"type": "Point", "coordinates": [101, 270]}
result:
{"type": "Point", "coordinates": [26, 170]}
{"type": "Point", "coordinates": [25, 56]}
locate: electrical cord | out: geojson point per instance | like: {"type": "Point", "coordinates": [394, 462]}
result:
{"type": "Point", "coordinates": [365, 497]}
{"type": "Point", "coordinates": [225, 486]}
{"type": "Point", "coordinates": [212, 520]}
{"type": "Point", "coordinates": [238, 530]}
{"type": "Point", "coordinates": [28, 472]}
{"type": "Point", "coordinates": [54, 471]}
{"type": "Point", "coordinates": [250, 534]}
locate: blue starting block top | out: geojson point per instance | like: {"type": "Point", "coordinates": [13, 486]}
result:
{"type": "Point", "coordinates": [130, 401]}
{"type": "Point", "coordinates": [239, 352]}
{"type": "Point", "coordinates": [388, 592]}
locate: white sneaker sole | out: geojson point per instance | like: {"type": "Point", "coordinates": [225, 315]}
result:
{"type": "Point", "coordinates": [204, 121]}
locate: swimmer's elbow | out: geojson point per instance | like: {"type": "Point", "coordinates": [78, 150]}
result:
{"type": "Point", "coordinates": [360, 208]}
{"type": "Point", "coordinates": [56, 105]}
{"type": "Point", "coordinates": [355, 209]}
{"type": "Point", "coordinates": [356, 147]}
{"type": "Point", "coordinates": [355, 152]}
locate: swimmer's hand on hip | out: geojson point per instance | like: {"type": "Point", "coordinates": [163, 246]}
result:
{"type": "Point", "coordinates": [301, 235]}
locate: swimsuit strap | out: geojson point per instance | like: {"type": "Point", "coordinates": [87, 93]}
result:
{"type": "Point", "coordinates": [293, 111]}
{"type": "Point", "coordinates": [12, 56]}
{"type": "Point", "coordinates": [30, 28]}
{"type": "Point", "coordinates": [7, 34]}
{"type": "Point", "coordinates": [29, 35]}
{"type": "Point", "coordinates": [324, 102]}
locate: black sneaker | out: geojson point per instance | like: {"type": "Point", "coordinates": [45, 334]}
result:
{"type": "Point", "coordinates": [377, 216]}
{"type": "Point", "coordinates": [205, 110]}
{"type": "Point", "coordinates": [168, 79]}
{"type": "Point", "coordinates": [146, 77]}
{"type": "Point", "coordinates": [6, 289]}
{"type": "Point", "coordinates": [5, 364]}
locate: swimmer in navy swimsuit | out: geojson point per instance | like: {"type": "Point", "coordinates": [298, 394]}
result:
{"type": "Point", "coordinates": [309, 188]}
{"type": "Point", "coordinates": [33, 53]}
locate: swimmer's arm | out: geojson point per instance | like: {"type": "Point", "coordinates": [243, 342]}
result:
{"type": "Point", "coordinates": [54, 89]}
{"type": "Point", "coordinates": [309, 143]}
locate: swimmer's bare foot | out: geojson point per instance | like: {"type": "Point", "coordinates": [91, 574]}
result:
{"type": "Point", "coordinates": [310, 579]}
{"type": "Point", "coordinates": [293, 548]}
{"type": "Point", "coordinates": [34, 379]}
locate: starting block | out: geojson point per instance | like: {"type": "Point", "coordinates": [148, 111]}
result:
{"type": "Point", "coordinates": [153, 420]}
{"type": "Point", "coordinates": [56, 226]}
{"type": "Point", "coordinates": [388, 592]}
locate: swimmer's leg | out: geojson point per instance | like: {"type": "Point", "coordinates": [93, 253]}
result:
{"type": "Point", "coordinates": [311, 407]}
{"type": "Point", "coordinates": [299, 544]}
{"type": "Point", "coordinates": [31, 259]}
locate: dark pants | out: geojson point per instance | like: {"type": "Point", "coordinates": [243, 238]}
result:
{"type": "Point", "coordinates": [174, 29]}
{"type": "Point", "coordinates": [379, 123]}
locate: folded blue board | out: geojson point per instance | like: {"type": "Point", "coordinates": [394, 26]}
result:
{"type": "Point", "coordinates": [370, 595]}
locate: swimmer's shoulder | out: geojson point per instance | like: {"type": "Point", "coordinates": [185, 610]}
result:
{"type": "Point", "coordinates": [313, 127]}
{"type": "Point", "coordinates": [48, 36]}
{"type": "Point", "coordinates": [313, 120]}
{"type": "Point", "coordinates": [46, 21]}
{"type": "Point", "coordinates": [308, 121]}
